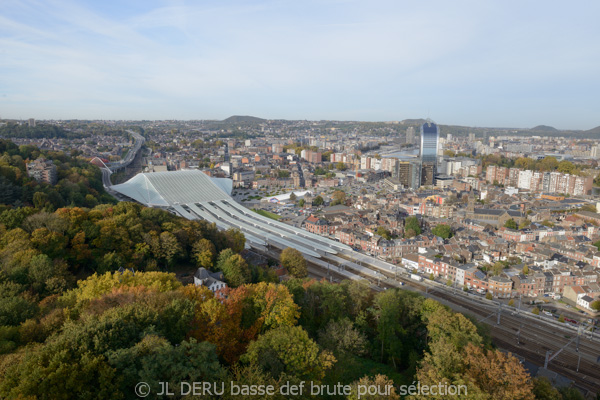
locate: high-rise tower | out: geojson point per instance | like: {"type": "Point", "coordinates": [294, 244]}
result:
{"type": "Point", "coordinates": [430, 136]}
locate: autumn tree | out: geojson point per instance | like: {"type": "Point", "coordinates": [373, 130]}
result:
{"type": "Point", "coordinates": [98, 285]}
{"type": "Point", "coordinates": [498, 375]}
{"type": "Point", "coordinates": [236, 240]}
{"type": "Point", "coordinates": [294, 262]}
{"type": "Point", "coordinates": [548, 164]}
{"type": "Point", "coordinates": [525, 163]}
{"type": "Point", "coordinates": [204, 253]}
{"type": "Point", "coordinates": [386, 389]}
{"type": "Point", "coordinates": [339, 197]}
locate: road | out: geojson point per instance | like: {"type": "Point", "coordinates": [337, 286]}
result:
{"type": "Point", "coordinates": [113, 167]}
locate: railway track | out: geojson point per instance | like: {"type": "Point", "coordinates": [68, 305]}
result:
{"type": "Point", "coordinates": [536, 337]}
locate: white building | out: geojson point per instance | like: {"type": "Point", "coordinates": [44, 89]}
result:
{"type": "Point", "coordinates": [212, 280]}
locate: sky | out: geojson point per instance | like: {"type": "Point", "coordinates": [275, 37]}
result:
{"type": "Point", "coordinates": [489, 63]}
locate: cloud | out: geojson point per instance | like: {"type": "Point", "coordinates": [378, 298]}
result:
{"type": "Point", "coordinates": [321, 59]}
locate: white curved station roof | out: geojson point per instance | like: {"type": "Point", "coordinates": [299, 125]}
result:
{"type": "Point", "coordinates": [174, 187]}
{"type": "Point", "coordinates": [193, 194]}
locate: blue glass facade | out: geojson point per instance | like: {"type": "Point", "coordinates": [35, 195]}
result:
{"type": "Point", "coordinates": [430, 135]}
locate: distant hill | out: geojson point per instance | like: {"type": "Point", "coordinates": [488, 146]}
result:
{"type": "Point", "coordinates": [418, 121]}
{"type": "Point", "coordinates": [237, 119]}
{"type": "Point", "coordinates": [594, 131]}
{"type": "Point", "coordinates": [544, 128]}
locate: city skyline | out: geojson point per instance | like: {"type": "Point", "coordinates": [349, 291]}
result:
{"type": "Point", "coordinates": [464, 63]}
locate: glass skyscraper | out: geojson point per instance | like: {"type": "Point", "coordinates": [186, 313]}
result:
{"type": "Point", "coordinates": [430, 136]}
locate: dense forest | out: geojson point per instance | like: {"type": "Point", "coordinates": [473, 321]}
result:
{"type": "Point", "coordinates": [67, 130]}
{"type": "Point", "coordinates": [13, 130]}
{"type": "Point", "coordinates": [90, 306]}
{"type": "Point", "coordinates": [79, 182]}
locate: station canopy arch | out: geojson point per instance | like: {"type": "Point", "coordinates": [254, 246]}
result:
{"type": "Point", "coordinates": [168, 188]}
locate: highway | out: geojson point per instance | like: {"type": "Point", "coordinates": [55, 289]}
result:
{"type": "Point", "coordinates": [113, 167]}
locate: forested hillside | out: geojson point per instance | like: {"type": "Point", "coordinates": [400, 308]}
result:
{"type": "Point", "coordinates": [79, 182]}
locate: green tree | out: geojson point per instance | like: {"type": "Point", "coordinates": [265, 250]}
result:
{"type": "Point", "coordinates": [567, 167]}
{"type": "Point", "coordinates": [449, 153]}
{"type": "Point", "coordinates": [411, 227]}
{"type": "Point", "coordinates": [511, 224]}
{"type": "Point", "coordinates": [318, 201]}
{"type": "Point", "coordinates": [154, 360]}
{"type": "Point", "coordinates": [236, 240]}
{"type": "Point", "coordinates": [442, 230]}
{"type": "Point", "coordinates": [14, 306]}
{"type": "Point", "coordinates": [340, 166]}
{"type": "Point", "coordinates": [543, 390]}
{"type": "Point", "coordinates": [342, 337]}
{"type": "Point", "coordinates": [548, 164]}
{"type": "Point", "coordinates": [235, 269]}
{"type": "Point", "coordinates": [384, 233]}
{"type": "Point", "coordinates": [301, 203]}
{"type": "Point", "coordinates": [595, 305]}
{"type": "Point", "coordinates": [294, 262]}
{"type": "Point", "coordinates": [525, 163]}
{"type": "Point", "coordinates": [524, 224]}
{"type": "Point", "coordinates": [40, 199]}
{"type": "Point", "coordinates": [497, 268]}
{"type": "Point", "coordinates": [289, 350]}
